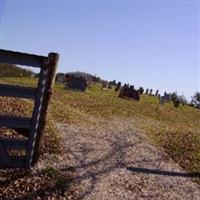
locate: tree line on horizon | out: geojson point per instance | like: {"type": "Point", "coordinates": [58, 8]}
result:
{"type": "Point", "coordinates": [177, 99]}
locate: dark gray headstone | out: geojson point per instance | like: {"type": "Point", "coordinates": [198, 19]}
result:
{"type": "Point", "coordinates": [76, 83]}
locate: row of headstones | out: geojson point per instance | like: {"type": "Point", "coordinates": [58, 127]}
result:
{"type": "Point", "coordinates": [163, 99]}
{"type": "Point", "coordinates": [140, 90]}
{"type": "Point", "coordinates": [174, 98]}
{"type": "Point", "coordinates": [127, 90]}
{"type": "Point", "coordinates": [130, 92]}
{"type": "Point", "coordinates": [150, 92]}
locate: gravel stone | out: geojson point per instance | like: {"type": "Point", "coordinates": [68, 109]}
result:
{"type": "Point", "coordinates": [115, 161]}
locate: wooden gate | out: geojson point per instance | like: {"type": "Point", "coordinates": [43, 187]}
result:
{"type": "Point", "coordinates": [31, 127]}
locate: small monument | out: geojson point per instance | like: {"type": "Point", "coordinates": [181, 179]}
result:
{"type": "Point", "coordinates": [165, 98]}
{"type": "Point", "coordinates": [118, 87]}
{"type": "Point", "coordinates": [129, 93]}
{"type": "Point", "coordinates": [75, 83]}
{"type": "Point", "coordinates": [60, 78]}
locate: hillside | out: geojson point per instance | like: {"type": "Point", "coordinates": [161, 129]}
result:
{"type": "Point", "coordinates": [8, 70]}
{"type": "Point", "coordinates": [176, 131]}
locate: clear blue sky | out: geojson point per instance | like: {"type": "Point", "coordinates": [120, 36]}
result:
{"type": "Point", "coordinates": [154, 44]}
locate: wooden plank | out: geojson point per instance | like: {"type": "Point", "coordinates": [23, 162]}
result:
{"type": "Point", "coordinates": [15, 122]}
{"type": "Point", "coordinates": [11, 143]}
{"type": "Point", "coordinates": [18, 58]}
{"type": "Point", "coordinates": [17, 91]}
{"type": "Point", "coordinates": [15, 162]}
{"type": "Point", "coordinates": [4, 157]}
{"type": "Point", "coordinates": [35, 129]}
{"type": "Point", "coordinates": [34, 150]}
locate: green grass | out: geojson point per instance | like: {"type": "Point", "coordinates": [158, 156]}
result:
{"type": "Point", "coordinates": [9, 70]}
{"type": "Point", "coordinates": [176, 130]}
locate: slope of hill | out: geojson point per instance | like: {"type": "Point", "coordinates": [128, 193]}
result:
{"type": "Point", "coordinates": [8, 70]}
{"type": "Point", "coordinates": [176, 131]}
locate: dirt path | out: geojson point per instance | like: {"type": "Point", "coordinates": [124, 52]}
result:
{"type": "Point", "coordinates": [114, 162]}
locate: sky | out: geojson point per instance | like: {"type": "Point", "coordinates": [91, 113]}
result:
{"type": "Point", "coordinates": [154, 44]}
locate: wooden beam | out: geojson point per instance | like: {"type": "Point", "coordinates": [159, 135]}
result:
{"type": "Point", "coordinates": [4, 157]}
{"type": "Point", "coordinates": [34, 150]}
{"type": "Point", "coordinates": [17, 91]}
{"type": "Point", "coordinates": [18, 58]}
{"type": "Point", "coordinates": [15, 122]}
{"type": "Point", "coordinates": [15, 162]}
{"type": "Point", "coordinates": [10, 143]}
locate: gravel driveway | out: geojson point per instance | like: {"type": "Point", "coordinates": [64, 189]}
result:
{"type": "Point", "coordinates": [114, 162]}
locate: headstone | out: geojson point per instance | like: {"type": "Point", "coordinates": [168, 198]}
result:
{"type": "Point", "coordinates": [75, 83]}
{"type": "Point", "coordinates": [60, 78]}
{"type": "Point", "coordinates": [130, 93]}
{"type": "Point", "coordinates": [175, 99]}
{"type": "Point", "coordinates": [165, 98]}
{"type": "Point", "coordinates": [150, 92]}
{"type": "Point", "coordinates": [104, 86]}
{"type": "Point", "coordinates": [118, 87]}
{"type": "Point", "coordinates": [141, 90]}
{"type": "Point", "coordinates": [157, 93]}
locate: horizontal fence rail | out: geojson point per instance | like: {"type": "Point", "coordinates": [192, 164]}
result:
{"type": "Point", "coordinates": [18, 58]}
{"type": "Point", "coordinates": [15, 122]}
{"type": "Point", "coordinates": [14, 162]}
{"type": "Point", "coordinates": [17, 91]}
{"type": "Point", "coordinates": [10, 143]}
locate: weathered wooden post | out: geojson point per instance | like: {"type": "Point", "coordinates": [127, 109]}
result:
{"type": "Point", "coordinates": [50, 79]}
{"type": "Point", "coordinates": [31, 127]}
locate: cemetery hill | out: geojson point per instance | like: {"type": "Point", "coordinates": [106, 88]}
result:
{"type": "Point", "coordinates": [171, 125]}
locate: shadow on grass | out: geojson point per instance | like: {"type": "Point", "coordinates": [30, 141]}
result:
{"type": "Point", "coordinates": [94, 168]}
{"type": "Point", "coordinates": [163, 173]}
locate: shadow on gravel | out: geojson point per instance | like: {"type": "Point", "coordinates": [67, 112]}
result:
{"type": "Point", "coordinates": [163, 173]}
{"type": "Point", "coordinates": [94, 167]}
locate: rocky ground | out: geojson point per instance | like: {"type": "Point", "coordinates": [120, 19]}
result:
{"type": "Point", "coordinates": [102, 161]}
{"type": "Point", "coordinates": [113, 161]}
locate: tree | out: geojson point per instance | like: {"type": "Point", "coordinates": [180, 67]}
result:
{"type": "Point", "coordinates": [182, 100]}
{"type": "Point", "coordinates": [196, 99]}
{"type": "Point", "coordinates": [96, 79]}
{"type": "Point", "coordinates": [175, 99]}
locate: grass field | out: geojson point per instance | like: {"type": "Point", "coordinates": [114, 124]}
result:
{"type": "Point", "coordinates": [176, 130]}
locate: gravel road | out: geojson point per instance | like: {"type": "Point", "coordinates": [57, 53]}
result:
{"type": "Point", "coordinates": [115, 162]}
